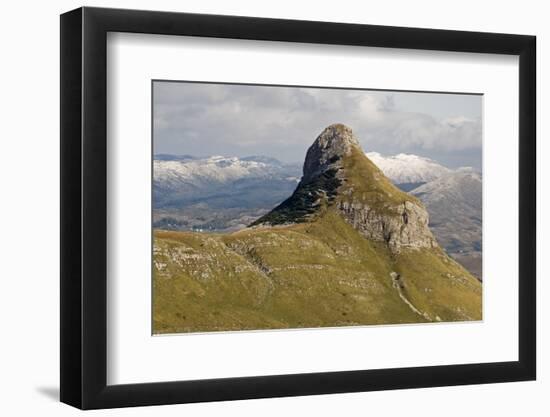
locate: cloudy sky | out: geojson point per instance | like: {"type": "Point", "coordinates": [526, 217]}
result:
{"type": "Point", "coordinates": [241, 120]}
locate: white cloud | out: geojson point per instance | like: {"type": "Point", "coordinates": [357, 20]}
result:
{"type": "Point", "coordinates": [215, 118]}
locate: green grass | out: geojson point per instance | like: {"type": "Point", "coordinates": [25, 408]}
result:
{"type": "Point", "coordinates": [317, 274]}
{"type": "Point", "coordinates": [439, 286]}
{"type": "Point", "coordinates": [366, 183]}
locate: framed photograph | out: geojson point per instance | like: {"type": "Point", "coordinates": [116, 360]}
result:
{"type": "Point", "coordinates": [260, 208]}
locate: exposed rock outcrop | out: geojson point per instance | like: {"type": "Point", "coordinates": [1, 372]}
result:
{"type": "Point", "coordinates": [404, 225]}
{"type": "Point", "coordinates": [321, 180]}
{"type": "Point", "coordinates": [338, 176]}
{"type": "Point", "coordinates": [334, 143]}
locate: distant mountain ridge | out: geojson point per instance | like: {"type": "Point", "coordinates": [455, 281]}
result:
{"type": "Point", "coordinates": [454, 202]}
{"type": "Point", "coordinates": [176, 180]}
{"type": "Point", "coordinates": [217, 192]}
{"type": "Point", "coordinates": [403, 169]}
{"type": "Point", "coordinates": [215, 169]}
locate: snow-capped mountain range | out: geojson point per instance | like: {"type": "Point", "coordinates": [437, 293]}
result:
{"type": "Point", "coordinates": [458, 187]}
{"type": "Point", "coordinates": [179, 181]}
{"type": "Point", "coordinates": [218, 193]}
{"type": "Point", "coordinates": [216, 169]}
{"type": "Point", "coordinates": [175, 171]}
{"type": "Point", "coordinates": [408, 169]}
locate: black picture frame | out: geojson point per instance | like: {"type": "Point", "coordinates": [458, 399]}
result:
{"type": "Point", "coordinates": [84, 207]}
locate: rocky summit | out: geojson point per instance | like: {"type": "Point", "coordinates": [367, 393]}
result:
{"type": "Point", "coordinates": [345, 248]}
{"type": "Point", "coordinates": [338, 176]}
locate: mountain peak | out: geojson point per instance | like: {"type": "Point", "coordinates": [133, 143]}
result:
{"type": "Point", "coordinates": [334, 142]}
{"type": "Point", "coordinates": [337, 134]}
{"type": "Point", "coordinates": [339, 177]}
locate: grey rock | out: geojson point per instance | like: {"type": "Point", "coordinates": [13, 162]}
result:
{"type": "Point", "coordinates": [335, 142]}
{"type": "Point", "coordinates": [404, 225]}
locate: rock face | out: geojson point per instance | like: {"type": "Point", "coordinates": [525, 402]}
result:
{"type": "Point", "coordinates": [404, 225]}
{"type": "Point", "coordinates": [338, 176]}
{"type": "Point", "coordinates": [321, 180]}
{"type": "Point", "coordinates": [334, 143]}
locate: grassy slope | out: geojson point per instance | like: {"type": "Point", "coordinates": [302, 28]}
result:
{"type": "Point", "coordinates": [366, 182]}
{"type": "Point", "coordinates": [433, 282]}
{"type": "Point", "coordinates": [314, 274]}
